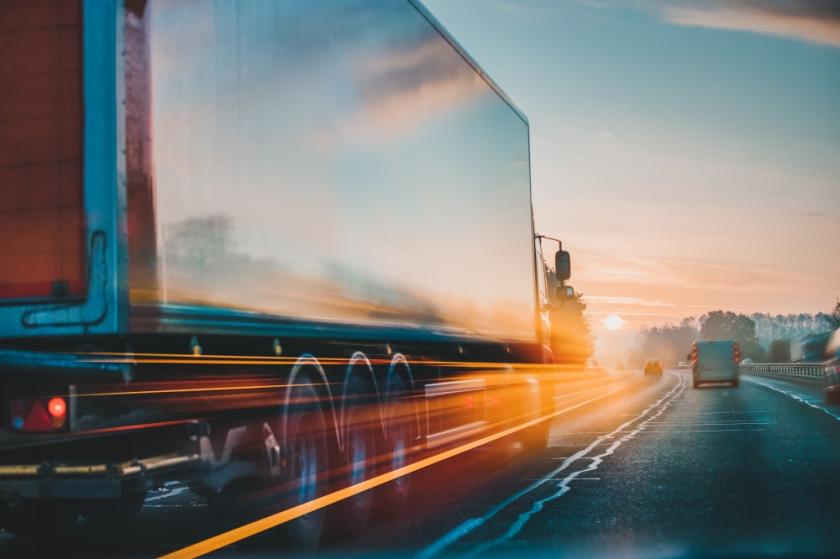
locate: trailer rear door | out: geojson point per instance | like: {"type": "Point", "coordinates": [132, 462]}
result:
{"type": "Point", "coordinates": [41, 207]}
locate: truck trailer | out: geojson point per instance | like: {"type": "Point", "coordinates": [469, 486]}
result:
{"type": "Point", "coordinates": [263, 244]}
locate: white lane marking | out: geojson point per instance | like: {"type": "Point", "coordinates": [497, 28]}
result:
{"type": "Point", "coordinates": [470, 525]}
{"type": "Point", "coordinates": [561, 479]}
{"type": "Point", "coordinates": [707, 430]}
{"type": "Point", "coordinates": [722, 412]}
{"type": "Point", "coordinates": [817, 405]}
{"type": "Point", "coordinates": [584, 433]}
{"type": "Point", "coordinates": [565, 485]}
{"type": "Point", "coordinates": [168, 494]}
{"type": "Point", "coordinates": [712, 423]}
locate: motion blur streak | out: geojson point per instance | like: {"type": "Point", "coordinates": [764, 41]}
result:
{"type": "Point", "coordinates": [237, 534]}
{"type": "Point", "coordinates": [180, 358]}
{"type": "Point", "coordinates": [181, 390]}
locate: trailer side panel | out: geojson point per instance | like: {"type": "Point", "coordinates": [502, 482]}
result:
{"type": "Point", "coordinates": [337, 162]}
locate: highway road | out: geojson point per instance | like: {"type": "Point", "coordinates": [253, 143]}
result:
{"type": "Point", "coordinates": [657, 469]}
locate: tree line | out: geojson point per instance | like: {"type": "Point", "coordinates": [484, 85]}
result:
{"type": "Point", "coordinates": [763, 337]}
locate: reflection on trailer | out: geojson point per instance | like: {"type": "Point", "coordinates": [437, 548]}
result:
{"type": "Point", "coordinates": [284, 246]}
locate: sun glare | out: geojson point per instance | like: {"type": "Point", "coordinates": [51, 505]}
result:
{"type": "Point", "coordinates": [613, 322]}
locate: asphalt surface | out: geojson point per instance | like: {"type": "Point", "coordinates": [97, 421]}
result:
{"type": "Point", "coordinates": [659, 469]}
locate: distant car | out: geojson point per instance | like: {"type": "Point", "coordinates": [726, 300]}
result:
{"type": "Point", "coordinates": [832, 368]}
{"type": "Point", "coordinates": [746, 361]}
{"type": "Point", "coordinates": [715, 361]}
{"type": "Point", "coordinates": [653, 367]}
{"type": "Point", "coordinates": [683, 365]}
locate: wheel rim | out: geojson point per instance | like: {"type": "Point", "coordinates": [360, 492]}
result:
{"type": "Point", "coordinates": [358, 457]}
{"type": "Point", "coordinates": [307, 462]}
{"type": "Point", "coordinates": [400, 442]}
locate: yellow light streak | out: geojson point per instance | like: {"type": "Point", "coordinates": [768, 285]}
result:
{"type": "Point", "coordinates": [247, 530]}
{"type": "Point", "coordinates": [181, 358]}
{"type": "Point", "coordinates": [182, 390]}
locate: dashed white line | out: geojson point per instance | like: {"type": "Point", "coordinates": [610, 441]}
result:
{"type": "Point", "coordinates": [472, 524]}
{"type": "Point", "coordinates": [713, 422]}
{"type": "Point", "coordinates": [168, 494]}
{"type": "Point", "coordinates": [707, 430]}
{"type": "Point", "coordinates": [802, 400]}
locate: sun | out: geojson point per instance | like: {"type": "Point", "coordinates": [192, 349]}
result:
{"type": "Point", "coordinates": [613, 322]}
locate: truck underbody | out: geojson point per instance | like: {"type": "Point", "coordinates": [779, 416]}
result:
{"type": "Point", "coordinates": [219, 414]}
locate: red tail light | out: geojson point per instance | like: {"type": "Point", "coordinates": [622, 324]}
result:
{"type": "Point", "coordinates": [57, 408]}
{"type": "Point", "coordinates": [39, 415]}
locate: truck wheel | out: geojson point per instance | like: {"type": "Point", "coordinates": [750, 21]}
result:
{"type": "Point", "coordinates": [359, 455]}
{"type": "Point", "coordinates": [308, 465]}
{"type": "Point", "coordinates": [399, 438]}
{"type": "Point", "coordinates": [121, 508]}
{"type": "Point", "coordinates": [42, 518]}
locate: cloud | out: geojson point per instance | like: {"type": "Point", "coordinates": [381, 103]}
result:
{"type": "Point", "coordinates": [814, 21]}
{"type": "Point", "coordinates": [405, 87]}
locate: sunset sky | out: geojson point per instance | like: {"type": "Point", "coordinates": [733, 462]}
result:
{"type": "Point", "coordinates": [688, 153]}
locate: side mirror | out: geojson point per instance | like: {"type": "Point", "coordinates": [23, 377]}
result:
{"type": "Point", "coordinates": [564, 292]}
{"type": "Point", "coordinates": [562, 265]}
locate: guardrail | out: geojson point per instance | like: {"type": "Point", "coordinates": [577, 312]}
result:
{"type": "Point", "coordinates": [809, 370]}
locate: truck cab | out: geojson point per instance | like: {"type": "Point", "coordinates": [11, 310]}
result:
{"type": "Point", "coordinates": [552, 291]}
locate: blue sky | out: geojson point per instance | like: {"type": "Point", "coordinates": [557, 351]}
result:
{"type": "Point", "coordinates": [687, 152]}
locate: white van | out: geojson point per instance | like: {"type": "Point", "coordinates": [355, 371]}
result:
{"type": "Point", "coordinates": [715, 361]}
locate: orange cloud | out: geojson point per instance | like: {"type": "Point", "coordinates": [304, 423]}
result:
{"type": "Point", "coordinates": [813, 21]}
{"type": "Point", "coordinates": [403, 88]}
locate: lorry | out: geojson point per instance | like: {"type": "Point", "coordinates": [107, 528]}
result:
{"type": "Point", "coordinates": [810, 348]}
{"type": "Point", "coordinates": [715, 361]}
{"type": "Point", "coordinates": [261, 244]}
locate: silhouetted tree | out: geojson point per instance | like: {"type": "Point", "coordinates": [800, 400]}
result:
{"type": "Point", "coordinates": [571, 334]}
{"type": "Point", "coordinates": [727, 325]}
{"type": "Point", "coordinates": [790, 326]}
{"type": "Point", "coordinates": [834, 315]}
{"type": "Point", "coordinates": [669, 343]}
{"type": "Point", "coordinates": [779, 351]}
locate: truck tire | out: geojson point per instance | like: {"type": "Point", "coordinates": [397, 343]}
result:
{"type": "Point", "coordinates": [360, 421]}
{"type": "Point", "coordinates": [400, 434]}
{"type": "Point", "coordinates": [119, 509]}
{"type": "Point", "coordinates": [535, 439]}
{"type": "Point", "coordinates": [308, 459]}
{"type": "Point", "coordinates": [41, 518]}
